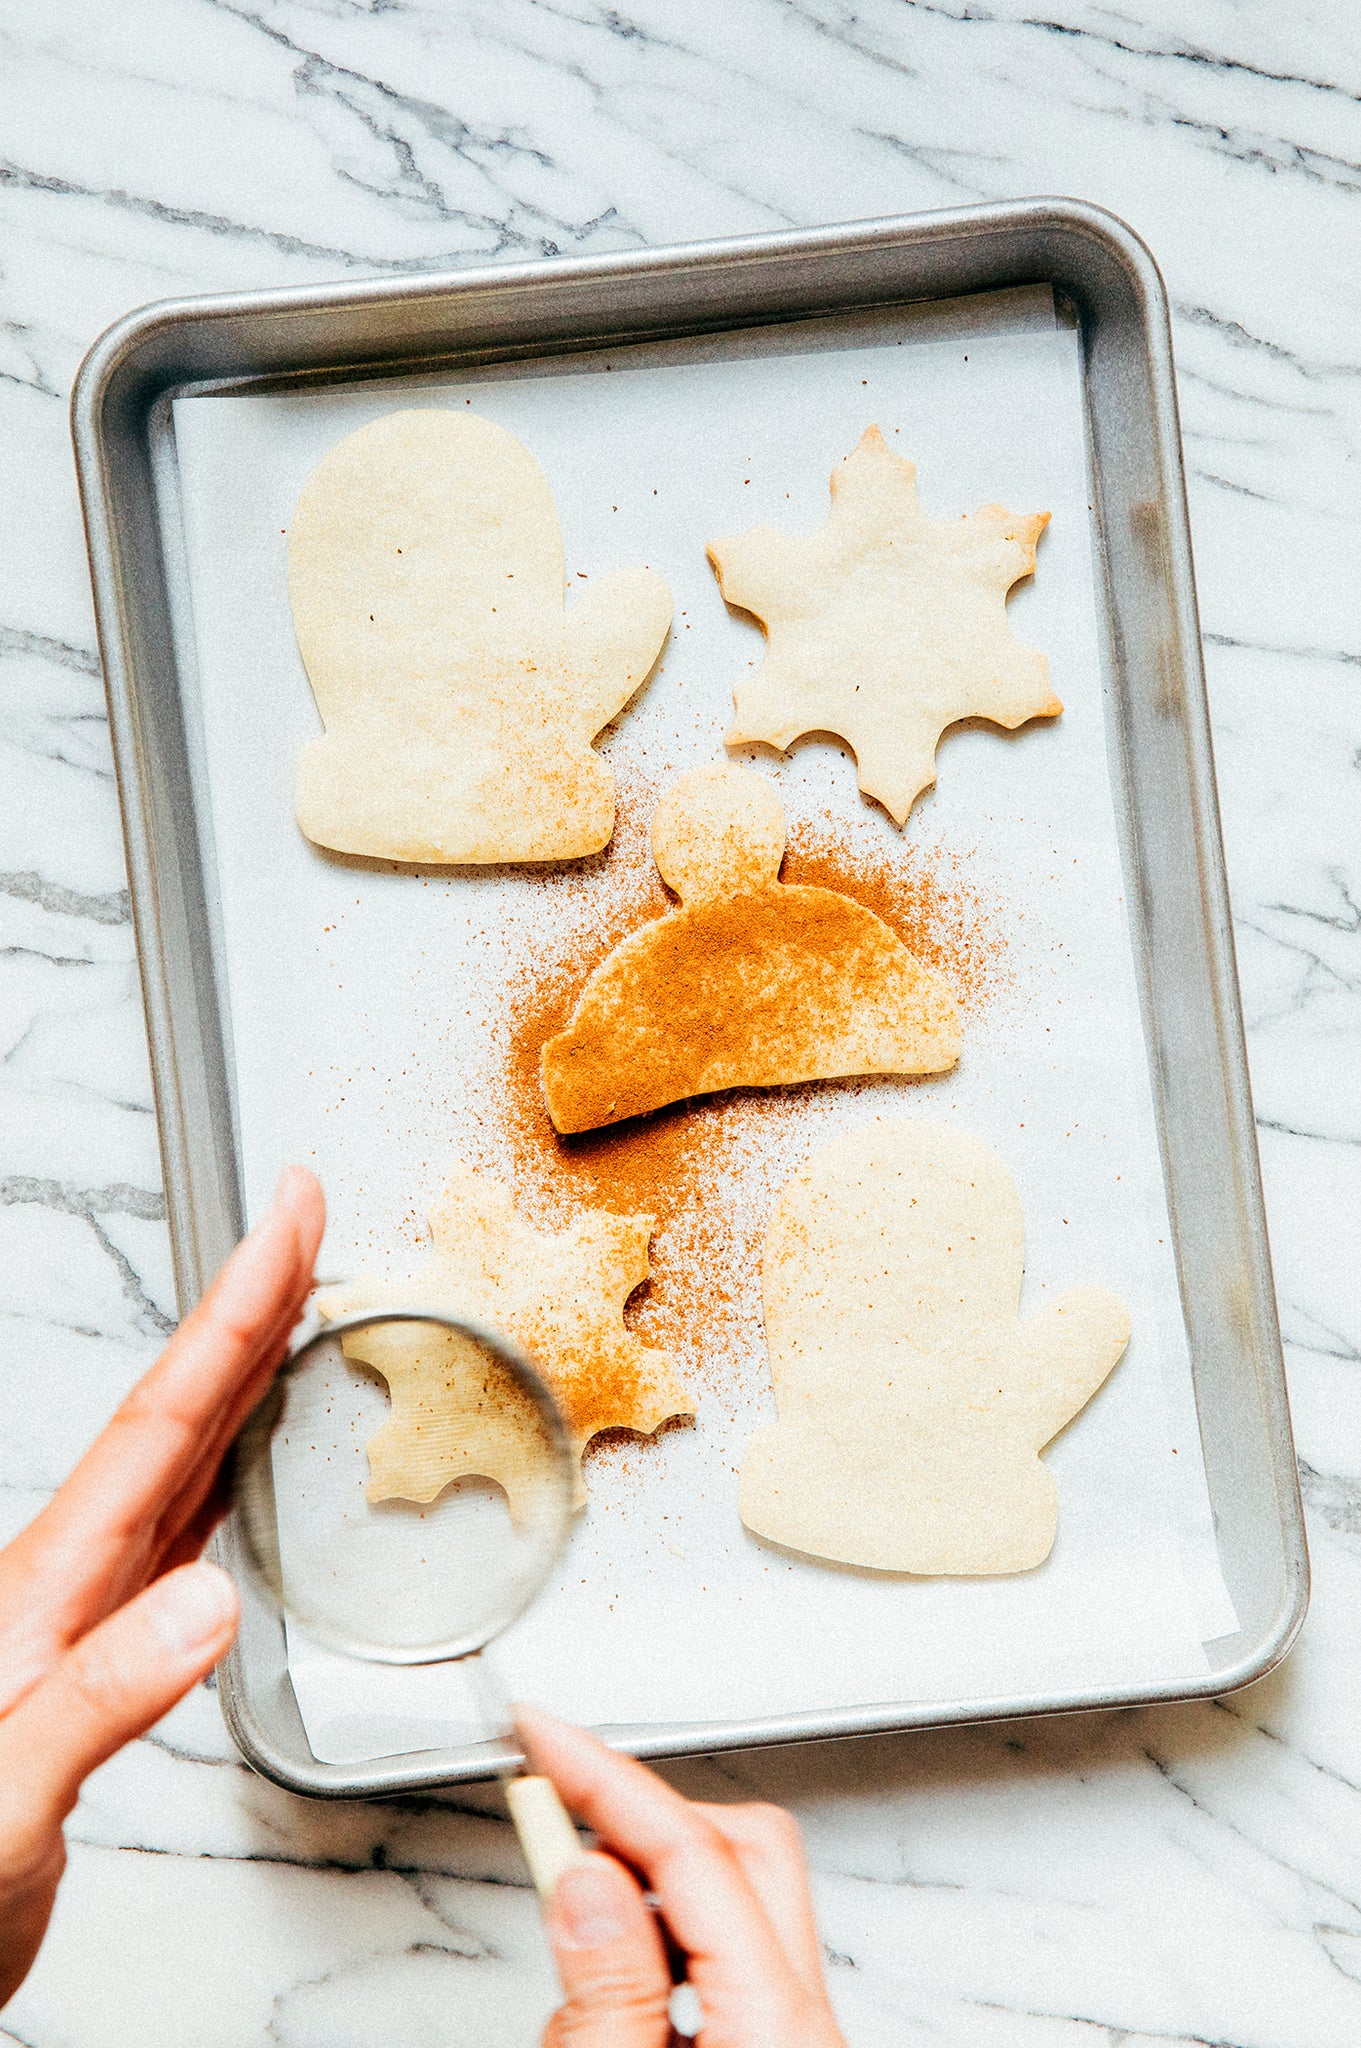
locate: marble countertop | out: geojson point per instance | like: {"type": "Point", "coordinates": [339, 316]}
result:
{"type": "Point", "coordinates": [1180, 1876]}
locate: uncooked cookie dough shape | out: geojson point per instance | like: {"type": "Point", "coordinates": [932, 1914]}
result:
{"type": "Point", "coordinates": [913, 1403]}
{"type": "Point", "coordinates": [750, 984]}
{"type": "Point", "coordinates": [884, 626]}
{"type": "Point", "coordinates": [459, 698]}
{"type": "Point", "coordinates": [560, 1295]}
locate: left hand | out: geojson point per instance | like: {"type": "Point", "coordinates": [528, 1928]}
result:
{"type": "Point", "coordinates": [105, 1621]}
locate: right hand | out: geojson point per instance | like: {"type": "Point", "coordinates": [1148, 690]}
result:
{"type": "Point", "coordinates": [733, 1886]}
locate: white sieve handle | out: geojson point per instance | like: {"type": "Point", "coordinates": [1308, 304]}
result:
{"type": "Point", "coordinates": [547, 1836]}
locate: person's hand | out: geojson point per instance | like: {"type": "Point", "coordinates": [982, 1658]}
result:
{"type": "Point", "coordinates": [732, 1885]}
{"type": "Point", "coordinates": [104, 1619]}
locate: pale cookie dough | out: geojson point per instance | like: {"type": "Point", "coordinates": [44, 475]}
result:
{"type": "Point", "coordinates": [560, 1295]}
{"type": "Point", "coordinates": [460, 699]}
{"type": "Point", "coordinates": [913, 1404]}
{"type": "Point", "coordinates": [456, 1413]}
{"type": "Point", "coordinates": [751, 983]}
{"type": "Point", "coordinates": [884, 626]}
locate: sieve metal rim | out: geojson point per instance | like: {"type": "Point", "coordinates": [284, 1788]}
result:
{"type": "Point", "coordinates": [251, 1448]}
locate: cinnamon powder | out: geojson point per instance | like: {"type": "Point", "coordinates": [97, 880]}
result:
{"type": "Point", "coordinates": [925, 895]}
{"type": "Point", "coordinates": [708, 1170]}
{"type": "Point", "coordinates": [770, 985]}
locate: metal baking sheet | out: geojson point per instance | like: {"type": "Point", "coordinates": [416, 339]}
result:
{"type": "Point", "coordinates": [125, 448]}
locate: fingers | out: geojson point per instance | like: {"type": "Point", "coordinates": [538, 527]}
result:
{"type": "Point", "coordinates": [120, 1679]}
{"type": "Point", "coordinates": [710, 1908]}
{"type": "Point", "coordinates": [148, 1478]}
{"type": "Point", "coordinates": [610, 1959]}
{"type": "Point", "coordinates": [246, 1314]}
{"type": "Point", "coordinates": [110, 1688]}
{"type": "Point", "coordinates": [751, 1986]}
{"type": "Point", "coordinates": [28, 1892]}
{"type": "Point", "coordinates": [768, 1845]}
{"type": "Point", "coordinates": [192, 1538]}
{"type": "Point", "coordinates": [182, 1413]}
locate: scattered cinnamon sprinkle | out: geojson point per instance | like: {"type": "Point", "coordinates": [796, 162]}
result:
{"type": "Point", "coordinates": [926, 895]}
{"type": "Point", "coordinates": [708, 1170]}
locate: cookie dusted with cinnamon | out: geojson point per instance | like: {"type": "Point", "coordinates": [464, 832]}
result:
{"type": "Point", "coordinates": [559, 1294]}
{"type": "Point", "coordinates": [751, 983]}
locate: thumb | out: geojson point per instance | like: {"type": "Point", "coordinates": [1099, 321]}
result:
{"type": "Point", "coordinates": [113, 1684]}
{"type": "Point", "coordinates": [610, 1958]}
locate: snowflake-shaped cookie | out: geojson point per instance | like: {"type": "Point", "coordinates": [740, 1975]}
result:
{"type": "Point", "coordinates": [884, 626]}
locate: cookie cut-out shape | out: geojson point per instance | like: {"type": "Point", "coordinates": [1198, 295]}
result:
{"type": "Point", "coordinates": [884, 626]}
{"type": "Point", "coordinates": [750, 984]}
{"type": "Point", "coordinates": [459, 697]}
{"type": "Point", "coordinates": [457, 1413]}
{"type": "Point", "coordinates": [913, 1402]}
{"type": "Point", "coordinates": [560, 1295]}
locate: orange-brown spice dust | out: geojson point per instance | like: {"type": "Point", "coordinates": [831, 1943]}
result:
{"type": "Point", "coordinates": [926, 896]}
{"type": "Point", "coordinates": [702, 1303]}
{"type": "Point", "coordinates": [751, 989]}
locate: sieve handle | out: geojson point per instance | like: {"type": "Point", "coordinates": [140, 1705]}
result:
{"type": "Point", "coordinates": [547, 1836]}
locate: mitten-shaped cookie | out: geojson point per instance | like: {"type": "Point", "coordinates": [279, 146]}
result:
{"type": "Point", "coordinates": [913, 1402]}
{"type": "Point", "coordinates": [559, 1294]}
{"type": "Point", "coordinates": [885, 626]}
{"type": "Point", "coordinates": [459, 697]}
{"type": "Point", "coordinates": [752, 982]}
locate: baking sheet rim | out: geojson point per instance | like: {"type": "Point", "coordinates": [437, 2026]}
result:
{"type": "Point", "coordinates": [149, 329]}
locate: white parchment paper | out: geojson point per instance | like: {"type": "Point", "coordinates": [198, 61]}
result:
{"type": "Point", "coordinates": [361, 1004]}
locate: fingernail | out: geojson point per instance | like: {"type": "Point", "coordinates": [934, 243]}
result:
{"type": "Point", "coordinates": [282, 1187]}
{"type": "Point", "coordinates": [191, 1607]}
{"type": "Point", "coordinates": [523, 1720]}
{"type": "Point", "coordinates": [276, 1211]}
{"type": "Point", "coordinates": [590, 1904]}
